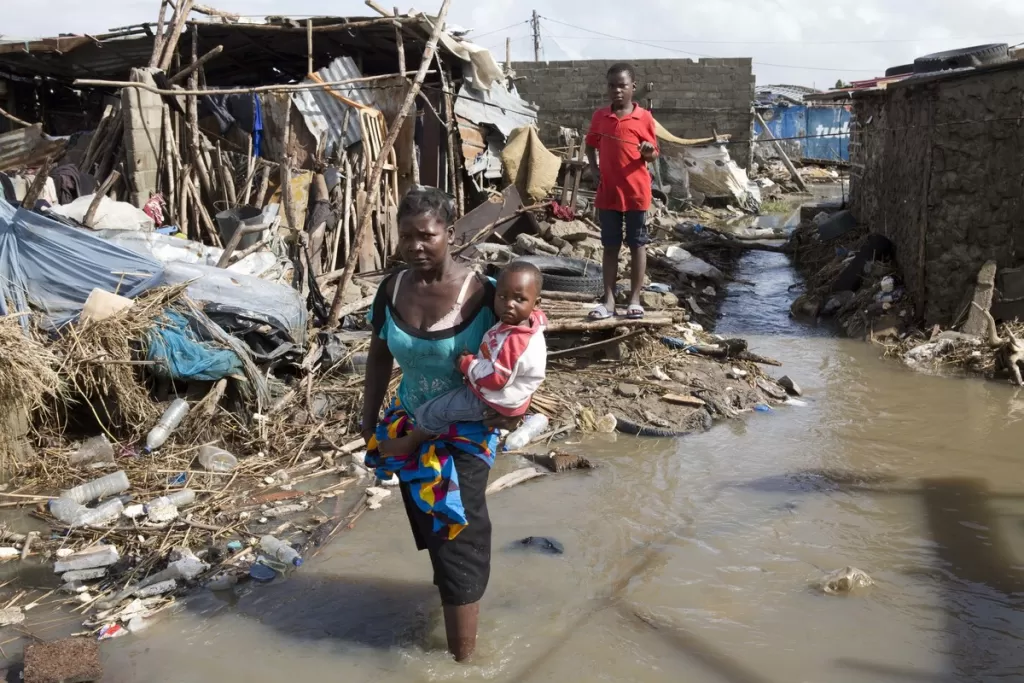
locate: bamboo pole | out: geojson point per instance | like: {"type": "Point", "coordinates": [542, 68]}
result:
{"type": "Point", "coordinates": [38, 183]}
{"type": "Point", "coordinates": [204, 216]}
{"type": "Point", "coordinates": [309, 46]}
{"type": "Point", "coordinates": [364, 226]}
{"type": "Point", "coordinates": [294, 87]}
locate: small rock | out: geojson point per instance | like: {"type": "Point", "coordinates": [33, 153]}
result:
{"type": "Point", "coordinates": [157, 589]}
{"type": "Point", "coordinates": [845, 580]}
{"type": "Point", "coordinates": [84, 575]}
{"type": "Point", "coordinates": [670, 300]}
{"type": "Point", "coordinates": [262, 520]}
{"type": "Point", "coordinates": [772, 389]}
{"type": "Point", "coordinates": [791, 387]}
{"type": "Point", "coordinates": [806, 306]}
{"type": "Point", "coordinates": [529, 244]}
{"type": "Point", "coordinates": [736, 373]}
{"type": "Point", "coordinates": [628, 390]}
{"type": "Point", "coordinates": [710, 291]}
{"type": "Point", "coordinates": [837, 302]}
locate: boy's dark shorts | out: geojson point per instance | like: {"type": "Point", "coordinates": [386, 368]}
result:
{"type": "Point", "coordinates": [612, 223]}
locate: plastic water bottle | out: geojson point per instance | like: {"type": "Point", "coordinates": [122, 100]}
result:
{"type": "Point", "coordinates": [104, 557]}
{"type": "Point", "coordinates": [280, 550]}
{"type": "Point", "coordinates": [101, 514]}
{"type": "Point", "coordinates": [215, 459]}
{"type": "Point", "coordinates": [182, 498]}
{"type": "Point", "coordinates": [532, 427]}
{"type": "Point", "coordinates": [169, 421]}
{"type": "Point", "coordinates": [110, 485]}
{"type": "Point", "coordinates": [94, 451]}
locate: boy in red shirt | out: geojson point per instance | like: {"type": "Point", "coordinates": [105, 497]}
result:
{"type": "Point", "coordinates": [623, 134]}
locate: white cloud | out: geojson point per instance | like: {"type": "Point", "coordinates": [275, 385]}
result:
{"type": "Point", "coordinates": [791, 41]}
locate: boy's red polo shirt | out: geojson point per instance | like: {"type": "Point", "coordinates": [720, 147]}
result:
{"type": "Point", "coordinates": [625, 180]}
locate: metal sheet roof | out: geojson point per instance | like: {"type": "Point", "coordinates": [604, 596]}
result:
{"type": "Point", "coordinates": [497, 107]}
{"type": "Point", "coordinates": [27, 147]}
{"type": "Point", "coordinates": [324, 114]}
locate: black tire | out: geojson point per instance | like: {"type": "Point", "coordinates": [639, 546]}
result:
{"type": "Point", "coordinates": [568, 274]}
{"type": "Point", "coordinates": [632, 428]}
{"type": "Point", "coordinates": [965, 57]}
{"type": "Point", "coordinates": [901, 70]}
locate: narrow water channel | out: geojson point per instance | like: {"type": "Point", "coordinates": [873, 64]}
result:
{"type": "Point", "coordinates": [692, 560]}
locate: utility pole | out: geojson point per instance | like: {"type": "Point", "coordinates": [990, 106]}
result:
{"type": "Point", "coordinates": [535, 22]}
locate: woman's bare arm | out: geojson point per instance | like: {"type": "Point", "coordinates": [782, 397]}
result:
{"type": "Point", "coordinates": [378, 374]}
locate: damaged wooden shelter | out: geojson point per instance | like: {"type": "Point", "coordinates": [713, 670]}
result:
{"type": "Point", "coordinates": [228, 128]}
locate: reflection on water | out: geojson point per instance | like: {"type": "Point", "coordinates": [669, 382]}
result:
{"type": "Point", "coordinates": [692, 560]}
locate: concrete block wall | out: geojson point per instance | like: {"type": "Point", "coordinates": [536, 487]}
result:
{"type": "Point", "coordinates": [690, 98]}
{"type": "Point", "coordinates": [143, 131]}
{"type": "Point", "coordinates": [937, 168]}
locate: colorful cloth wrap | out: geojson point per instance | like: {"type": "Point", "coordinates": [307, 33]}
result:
{"type": "Point", "coordinates": [430, 472]}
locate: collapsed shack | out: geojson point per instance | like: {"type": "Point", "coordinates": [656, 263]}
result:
{"type": "Point", "coordinates": [166, 314]}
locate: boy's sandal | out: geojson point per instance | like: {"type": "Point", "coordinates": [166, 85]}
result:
{"type": "Point", "coordinates": [635, 312]}
{"type": "Point", "coordinates": [600, 313]}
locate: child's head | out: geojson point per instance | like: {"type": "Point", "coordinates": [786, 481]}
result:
{"type": "Point", "coordinates": [425, 227]}
{"type": "Point", "coordinates": [621, 84]}
{"type": "Point", "coordinates": [518, 292]}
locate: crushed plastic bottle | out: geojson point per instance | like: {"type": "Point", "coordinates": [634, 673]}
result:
{"type": "Point", "coordinates": [75, 514]}
{"type": "Point", "coordinates": [94, 452]}
{"type": "Point", "coordinates": [110, 485]}
{"type": "Point", "coordinates": [845, 580]}
{"type": "Point", "coordinates": [532, 427]}
{"type": "Point", "coordinates": [215, 459]}
{"type": "Point", "coordinates": [182, 498]}
{"type": "Point", "coordinates": [169, 421]}
{"type": "Point", "coordinates": [280, 550]}
{"type": "Point", "coordinates": [103, 557]}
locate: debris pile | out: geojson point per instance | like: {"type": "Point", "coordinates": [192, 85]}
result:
{"type": "Point", "coordinates": [183, 386]}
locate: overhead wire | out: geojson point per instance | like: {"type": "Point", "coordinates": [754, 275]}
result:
{"type": "Point", "coordinates": [702, 55]}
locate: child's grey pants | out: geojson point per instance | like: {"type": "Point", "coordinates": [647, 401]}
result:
{"type": "Point", "coordinates": [458, 405]}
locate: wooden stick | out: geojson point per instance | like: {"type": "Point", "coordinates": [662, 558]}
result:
{"type": "Point", "coordinates": [248, 251]}
{"type": "Point", "coordinates": [346, 220]}
{"type": "Point", "coordinates": [227, 178]}
{"type": "Point", "coordinates": [204, 216]}
{"type": "Point", "coordinates": [173, 164]}
{"type": "Point", "coordinates": [261, 196]}
{"type": "Point", "coordinates": [399, 44]}
{"type": "Point", "coordinates": [183, 199]}
{"type": "Point", "coordinates": [782, 153]}
{"type": "Point", "coordinates": [38, 183]}
{"type": "Point", "coordinates": [309, 46]}
{"type": "Point", "coordinates": [159, 39]}
{"type": "Point", "coordinates": [595, 345]}
{"type": "Point", "coordinates": [213, 12]}
{"type": "Point", "coordinates": [184, 9]}
{"type": "Point", "coordinates": [194, 92]}
{"type": "Point", "coordinates": [453, 124]}
{"type": "Point", "coordinates": [195, 66]}
{"type": "Point", "coordinates": [94, 205]}
{"type": "Point", "coordinates": [607, 324]}
{"type": "Point", "coordinates": [15, 119]}
{"type": "Point", "coordinates": [364, 225]}
{"type": "Point", "coordinates": [240, 232]}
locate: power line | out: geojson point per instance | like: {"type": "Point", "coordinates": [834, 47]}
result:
{"type": "Point", "coordinates": [471, 36]}
{"type": "Point", "coordinates": [798, 42]}
{"type": "Point", "coordinates": [698, 54]}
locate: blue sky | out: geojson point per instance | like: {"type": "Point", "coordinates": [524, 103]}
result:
{"type": "Point", "coordinates": [809, 42]}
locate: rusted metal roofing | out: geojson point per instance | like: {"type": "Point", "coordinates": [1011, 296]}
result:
{"type": "Point", "coordinates": [324, 113]}
{"type": "Point", "coordinates": [27, 147]}
{"type": "Point", "coordinates": [496, 107]}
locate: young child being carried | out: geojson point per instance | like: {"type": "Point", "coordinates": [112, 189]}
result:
{"type": "Point", "coordinates": [503, 376]}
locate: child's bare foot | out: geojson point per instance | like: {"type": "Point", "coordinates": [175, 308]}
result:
{"type": "Point", "coordinates": [403, 445]}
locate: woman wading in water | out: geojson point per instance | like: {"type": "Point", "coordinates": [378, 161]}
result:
{"type": "Point", "coordinates": [425, 317]}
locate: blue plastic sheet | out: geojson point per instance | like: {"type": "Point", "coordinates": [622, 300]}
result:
{"type": "Point", "coordinates": [179, 353]}
{"type": "Point", "coordinates": [54, 267]}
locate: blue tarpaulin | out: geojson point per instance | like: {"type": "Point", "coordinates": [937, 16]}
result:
{"type": "Point", "coordinates": [54, 267]}
{"type": "Point", "coordinates": [179, 353]}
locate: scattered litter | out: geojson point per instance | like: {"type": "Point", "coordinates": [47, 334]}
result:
{"type": "Point", "coordinates": [376, 497]}
{"type": "Point", "coordinates": [11, 616]}
{"type": "Point", "coordinates": [541, 544]}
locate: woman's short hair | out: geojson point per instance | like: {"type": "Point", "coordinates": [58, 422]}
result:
{"type": "Point", "coordinates": [427, 201]}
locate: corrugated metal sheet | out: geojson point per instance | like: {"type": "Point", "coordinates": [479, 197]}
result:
{"type": "Point", "coordinates": [496, 107]}
{"type": "Point", "coordinates": [816, 132]}
{"type": "Point", "coordinates": [26, 147]}
{"type": "Point", "coordinates": [828, 130]}
{"type": "Point", "coordinates": [324, 114]}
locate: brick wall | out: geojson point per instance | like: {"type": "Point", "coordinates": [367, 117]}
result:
{"type": "Point", "coordinates": [937, 169]}
{"type": "Point", "coordinates": [690, 98]}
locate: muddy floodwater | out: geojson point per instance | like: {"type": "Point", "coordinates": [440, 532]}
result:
{"type": "Point", "coordinates": [693, 560]}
